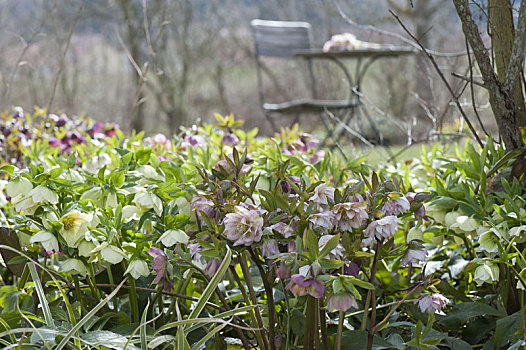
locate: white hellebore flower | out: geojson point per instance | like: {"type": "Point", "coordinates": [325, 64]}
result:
{"type": "Point", "coordinates": [85, 248]}
{"type": "Point", "coordinates": [171, 237]}
{"type": "Point", "coordinates": [20, 186]}
{"type": "Point", "coordinates": [489, 239]}
{"type": "Point", "coordinates": [94, 194]}
{"type": "Point", "coordinates": [110, 253]}
{"type": "Point", "coordinates": [488, 273]}
{"type": "Point", "coordinates": [47, 239]}
{"type": "Point", "coordinates": [75, 226]}
{"type": "Point", "coordinates": [518, 233]}
{"type": "Point", "coordinates": [138, 268]}
{"type": "Point", "coordinates": [74, 266]}
{"type": "Point", "coordinates": [147, 201]}
{"type": "Point", "coordinates": [42, 194]}
{"type": "Point", "coordinates": [130, 212]}
{"type": "Point", "coordinates": [464, 224]}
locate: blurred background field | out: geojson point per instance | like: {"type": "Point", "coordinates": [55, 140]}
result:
{"type": "Point", "coordinates": [86, 55]}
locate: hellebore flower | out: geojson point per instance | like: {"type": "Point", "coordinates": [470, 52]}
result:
{"type": "Point", "coordinates": [130, 212]}
{"type": "Point", "coordinates": [159, 263]}
{"type": "Point", "coordinates": [518, 232]}
{"type": "Point", "coordinates": [300, 286]}
{"type": "Point", "coordinates": [20, 186]}
{"type": "Point", "coordinates": [323, 195]}
{"type": "Point", "coordinates": [337, 252]}
{"type": "Point", "coordinates": [110, 253]}
{"type": "Point", "coordinates": [138, 268]}
{"type": "Point", "coordinates": [464, 224]}
{"type": "Point", "coordinates": [74, 267]}
{"type": "Point", "coordinates": [341, 302]}
{"type": "Point", "coordinates": [488, 273]}
{"type": "Point", "coordinates": [146, 201]}
{"type": "Point", "coordinates": [202, 204]}
{"type": "Point", "coordinates": [415, 233]}
{"type": "Point", "coordinates": [488, 240]}
{"type": "Point", "coordinates": [230, 139]}
{"type": "Point", "coordinates": [161, 140]}
{"type": "Point", "coordinates": [284, 229]}
{"type": "Point", "coordinates": [212, 266]}
{"type": "Point", "coordinates": [283, 271]}
{"type": "Point", "coordinates": [244, 227]}
{"type": "Point", "coordinates": [85, 248]}
{"type": "Point", "coordinates": [75, 226]}
{"type": "Point", "coordinates": [42, 194]}
{"type": "Point", "coordinates": [350, 215]}
{"type": "Point", "coordinates": [171, 237]}
{"type": "Point", "coordinates": [381, 229]}
{"type": "Point", "coordinates": [430, 303]}
{"type": "Point", "coordinates": [438, 214]}
{"type": "Point", "coordinates": [270, 248]}
{"type": "Point", "coordinates": [396, 206]}
{"type": "Point", "coordinates": [47, 239]}
{"type": "Point", "coordinates": [413, 256]}
{"type": "Point", "coordinates": [324, 219]}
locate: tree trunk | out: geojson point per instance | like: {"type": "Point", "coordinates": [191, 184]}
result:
{"type": "Point", "coordinates": [500, 17]}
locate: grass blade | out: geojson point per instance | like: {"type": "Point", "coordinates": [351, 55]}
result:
{"type": "Point", "coordinates": [41, 296]}
{"type": "Point", "coordinates": [86, 318]}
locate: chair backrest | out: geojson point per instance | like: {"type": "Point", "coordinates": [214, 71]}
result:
{"type": "Point", "coordinates": [280, 38]}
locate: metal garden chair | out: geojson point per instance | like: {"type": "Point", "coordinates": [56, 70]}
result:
{"type": "Point", "coordinates": [284, 39]}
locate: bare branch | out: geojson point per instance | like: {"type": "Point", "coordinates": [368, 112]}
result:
{"type": "Point", "coordinates": [392, 34]}
{"type": "Point", "coordinates": [450, 89]}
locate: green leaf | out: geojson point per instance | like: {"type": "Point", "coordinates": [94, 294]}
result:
{"type": "Point", "coordinates": [41, 296]}
{"type": "Point", "coordinates": [330, 263]}
{"type": "Point", "coordinates": [463, 312]}
{"type": "Point", "coordinates": [330, 245]}
{"type": "Point", "coordinates": [310, 242]}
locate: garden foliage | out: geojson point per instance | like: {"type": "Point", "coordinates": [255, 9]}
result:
{"type": "Point", "coordinates": [221, 238]}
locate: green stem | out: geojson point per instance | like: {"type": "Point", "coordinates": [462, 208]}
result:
{"type": "Point", "coordinates": [77, 289]}
{"type": "Point", "coordinates": [262, 340]}
{"type": "Point", "coordinates": [92, 283]}
{"type": "Point", "coordinates": [340, 331]}
{"type": "Point", "coordinates": [288, 313]}
{"type": "Point", "coordinates": [110, 278]}
{"type": "Point", "coordinates": [310, 323]}
{"type": "Point", "coordinates": [134, 305]}
{"type": "Point", "coordinates": [271, 307]}
{"type": "Point", "coordinates": [370, 333]}
{"type": "Point", "coordinates": [23, 278]}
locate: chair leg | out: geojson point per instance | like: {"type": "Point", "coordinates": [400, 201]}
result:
{"type": "Point", "coordinates": [272, 123]}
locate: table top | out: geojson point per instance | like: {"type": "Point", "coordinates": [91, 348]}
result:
{"type": "Point", "coordinates": [383, 51]}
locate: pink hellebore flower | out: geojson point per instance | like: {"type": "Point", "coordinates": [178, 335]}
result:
{"type": "Point", "coordinates": [160, 139]}
{"type": "Point", "coordinates": [381, 229]}
{"type": "Point", "coordinates": [230, 139]}
{"type": "Point", "coordinates": [413, 256]}
{"type": "Point", "coordinates": [323, 195]}
{"type": "Point", "coordinates": [341, 302]}
{"type": "Point", "coordinates": [202, 204]}
{"type": "Point", "coordinates": [396, 206]}
{"type": "Point", "coordinates": [160, 261]}
{"type": "Point", "coordinates": [324, 219]}
{"type": "Point", "coordinates": [270, 248]}
{"type": "Point", "coordinates": [431, 302]}
{"type": "Point", "coordinates": [284, 229]}
{"type": "Point", "coordinates": [300, 286]}
{"type": "Point", "coordinates": [350, 215]}
{"type": "Point", "coordinates": [244, 227]}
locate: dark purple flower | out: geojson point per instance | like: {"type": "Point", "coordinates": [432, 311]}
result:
{"type": "Point", "coordinates": [287, 188]}
{"type": "Point", "coordinates": [270, 248]}
{"type": "Point", "coordinates": [62, 120]}
{"type": "Point", "coordinates": [300, 286]}
{"type": "Point", "coordinates": [352, 268]}
{"type": "Point", "coordinates": [212, 267]}
{"type": "Point", "coordinates": [283, 271]}
{"type": "Point", "coordinates": [230, 139]}
{"type": "Point", "coordinates": [54, 142]}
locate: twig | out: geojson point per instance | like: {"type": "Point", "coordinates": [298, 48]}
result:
{"type": "Point", "coordinates": [23, 53]}
{"type": "Point", "coordinates": [468, 79]}
{"type": "Point", "coordinates": [431, 58]}
{"type": "Point", "coordinates": [394, 35]}
{"type": "Point", "coordinates": [62, 59]}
